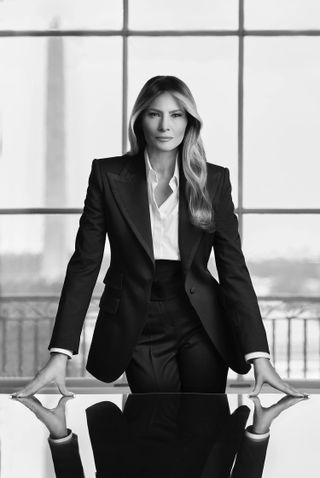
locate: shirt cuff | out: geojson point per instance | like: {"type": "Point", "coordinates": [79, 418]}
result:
{"type": "Point", "coordinates": [254, 355]}
{"type": "Point", "coordinates": [62, 351]}
{"type": "Point", "coordinates": [256, 436]}
{"type": "Point", "coordinates": [61, 440]}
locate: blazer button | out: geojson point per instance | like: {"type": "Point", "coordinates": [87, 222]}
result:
{"type": "Point", "coordinates": [192, 290]}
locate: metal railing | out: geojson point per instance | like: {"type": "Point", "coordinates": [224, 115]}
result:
{"type": "Point", "coordinates": [292, 325]}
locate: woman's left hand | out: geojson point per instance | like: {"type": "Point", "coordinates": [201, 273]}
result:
{"type": "Point", "coordinates": [264, 372]}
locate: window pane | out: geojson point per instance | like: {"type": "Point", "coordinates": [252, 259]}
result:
{"type": "Point", "coordinates": [281, 124]}
{"type": "Point", "coordinates": [275, 14]}
{"type": "Point", "coordinates": [34, 252]}
{"type": "Point", "coordinates": [183, 14]}
{"type": "Point", "coordinates": [209, 67]}
{"type": "Point", "coordinates": [283, 253]}
{"type": "Point", "coordinates": [60, 14]}
{"type": "Point", "coordinates": [61, 101]}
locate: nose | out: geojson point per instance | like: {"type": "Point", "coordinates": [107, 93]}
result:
{"type": "Point", "coordinates": [164, 123]}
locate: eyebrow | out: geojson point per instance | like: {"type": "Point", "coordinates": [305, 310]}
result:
{"type": "Point", "coordinates": [160, 111]}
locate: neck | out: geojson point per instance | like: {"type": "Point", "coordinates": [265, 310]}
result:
{"type": "Point", "coordinates": [163, 162]}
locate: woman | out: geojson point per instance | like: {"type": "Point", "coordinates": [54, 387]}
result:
{"type": "Point", "coordinates": [163, 318]}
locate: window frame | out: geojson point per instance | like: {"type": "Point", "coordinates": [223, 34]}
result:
{"type": "Point", "coordinates": [125, 33]}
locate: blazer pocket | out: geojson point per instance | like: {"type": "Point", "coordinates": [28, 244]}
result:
{"type": "Point", "coordinates": [108, 302]}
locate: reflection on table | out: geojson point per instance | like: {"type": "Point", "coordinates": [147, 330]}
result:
{"type": "Point", "coordinates": [151, 435]}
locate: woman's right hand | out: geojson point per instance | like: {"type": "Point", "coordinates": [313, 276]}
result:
{"type": "Point", "coordinates": [53, 371]}
{"type": "Point", "coordinates": [54, 419]}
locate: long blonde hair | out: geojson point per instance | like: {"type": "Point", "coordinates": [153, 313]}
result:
{"type": "Point", "coordinates": [191, 149]}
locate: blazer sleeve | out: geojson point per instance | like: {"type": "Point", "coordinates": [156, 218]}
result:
{"type": "Point", "coordinates": [251, 458]}
{"type": "Point", "coordinates": [66, 458]}
{"type": "Point", "coordinates": [236, 285]}
{"type": "Point", "coordinates": [83, 267]}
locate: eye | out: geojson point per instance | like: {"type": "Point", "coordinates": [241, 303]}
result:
{"type": "Point", "coordinates": [176, 115]}
{"type": "Point", "coordinates": [153, 114]}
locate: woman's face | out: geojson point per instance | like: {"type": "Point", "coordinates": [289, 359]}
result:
{"type": "Point", "coordinates": [164, 123]}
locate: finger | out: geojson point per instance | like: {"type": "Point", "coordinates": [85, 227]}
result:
{"type": "Point", "coordinates": [26, 401]}
{"type": "Point", "coordinates": [279, 384]}
{"type": "Point", "coordinates": [299, 392]}
{"type": "Point", "coordinates": [63, 389]}
{"type": "Point", "coordinates": [33, 387]}
{"type": "Point", "coordinates": [32, 403]}
{"type": "Point", "coordinates": [30, 400]}
{"type": "Point", "coordinates": [286, 388]}
{"type": "Point", "coordinates": [286, 402]}
{"type": "Point", "coordinates": [295, 393]}
{"type": "Point", "coordinates": [256, 401]}
{"type": "Point", "coordinates": [63, 401]}
{"type": "Point", "coordinates": [257, 389]}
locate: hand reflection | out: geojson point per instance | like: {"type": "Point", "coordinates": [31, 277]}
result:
{"type": "Point", "coordinates": [263, 417]}
{"type": "Point", "coordinates": [54, 419]}
{"type": "Point", "coordinates": [166, 435]}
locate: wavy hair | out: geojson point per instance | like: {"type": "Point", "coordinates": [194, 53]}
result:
{"type": "Point", "coordinates": [191, 149]}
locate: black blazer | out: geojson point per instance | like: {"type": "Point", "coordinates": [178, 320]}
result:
{"type": "Point", "coordinates": [166, 436]}
{"type": "Point", "coordinates": [117, 204]}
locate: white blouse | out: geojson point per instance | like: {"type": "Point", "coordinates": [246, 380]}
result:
{"type": "Point", "coordinates": [164, 219]}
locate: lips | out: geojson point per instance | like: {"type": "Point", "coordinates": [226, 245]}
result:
{"type": "Point", "coordinates": [164, 138]}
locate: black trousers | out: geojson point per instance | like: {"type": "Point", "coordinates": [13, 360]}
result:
{"type": "Point", "coordinates": [174, 353]}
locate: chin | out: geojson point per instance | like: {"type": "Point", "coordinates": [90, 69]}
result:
{"type": "Point", "coordinates": [168, 149]}
{"type": "Point", "coordinates": [165, 147]}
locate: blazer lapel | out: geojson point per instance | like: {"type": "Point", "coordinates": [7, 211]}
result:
{"type": "Point", "coordinates": [131, 193]}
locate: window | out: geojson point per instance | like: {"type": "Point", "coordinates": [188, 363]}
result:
{"type": "Point", "coordinates": [70, 73]}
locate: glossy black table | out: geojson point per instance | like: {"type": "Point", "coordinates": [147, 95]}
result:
{"type": "Point", "coordinates": [161, 436]}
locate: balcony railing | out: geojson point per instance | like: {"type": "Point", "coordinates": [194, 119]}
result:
{"type": "Point", "coordinates": [292, 325]}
